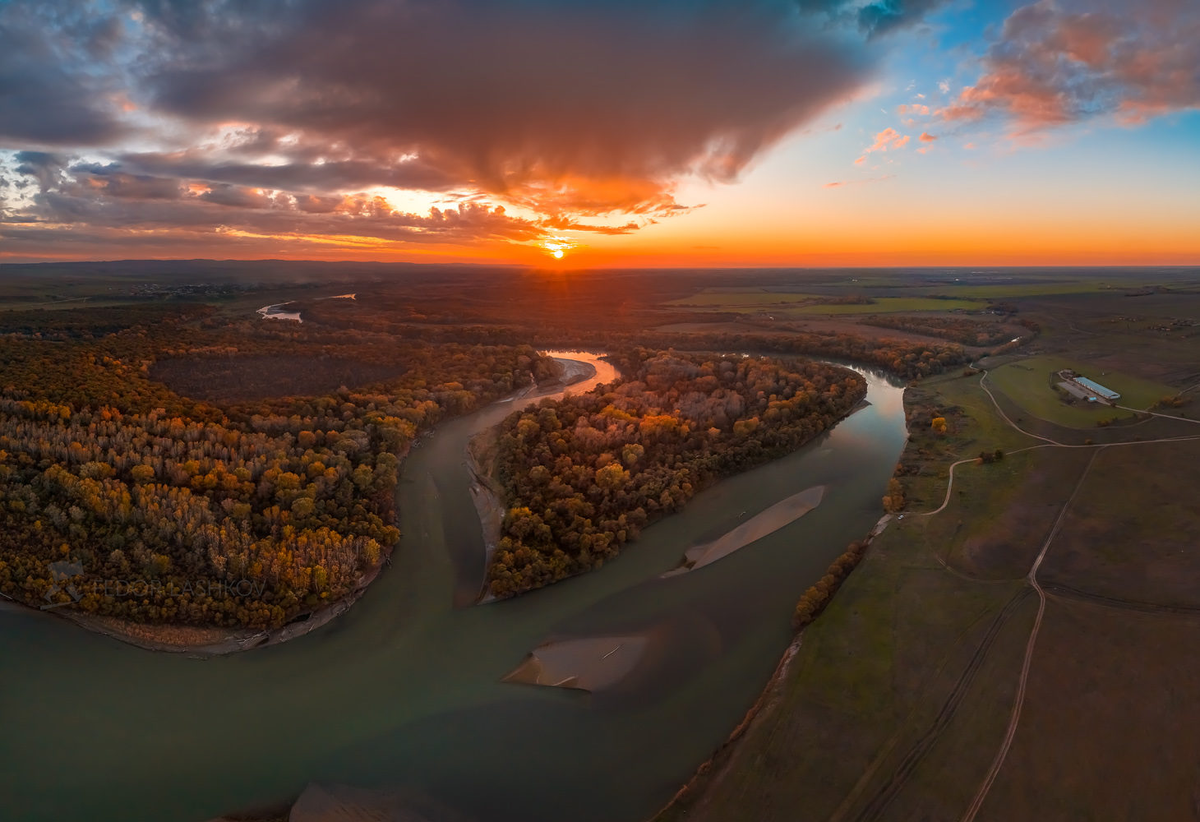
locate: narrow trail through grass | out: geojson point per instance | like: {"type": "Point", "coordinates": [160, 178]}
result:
{"type": "Point", "coordinates": [1027, 661]}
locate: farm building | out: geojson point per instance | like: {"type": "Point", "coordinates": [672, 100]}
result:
{"type": "Point", "coordinates": [1092, 389]}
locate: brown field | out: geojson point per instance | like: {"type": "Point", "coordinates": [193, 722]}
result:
{"type": "Point", "coordinates": [1107, 730]}
{"type": "Point", "coordinates": [871, 332]}
{"type": "Point", "coordinates": [1133, 531]}
{"type": "Point", "coordinates": [242, 378]}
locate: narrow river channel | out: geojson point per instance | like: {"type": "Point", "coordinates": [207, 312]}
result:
{"type": "Point", "coordinates": [404, 693]}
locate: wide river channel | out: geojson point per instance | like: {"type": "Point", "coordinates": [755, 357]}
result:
{"type": "Point", "coordinates": [403, 692]}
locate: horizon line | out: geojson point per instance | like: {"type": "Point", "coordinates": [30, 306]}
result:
{"type": "Point", "coordinates": [566, 270]}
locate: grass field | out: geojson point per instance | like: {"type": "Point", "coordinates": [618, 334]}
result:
{"type": "Point", "coordinates": [1130, 533]}
{"type": "Point", "coordinates": [791, 305]}
{"type": "Point", "coordinates": [899, 694]}
{"type": "Point", "coordinates": [1103, 733]}
{"type": "Point", "coordinates": [891, 305]}
{"type": "Point", "coordinates": [999, 292]}
{"type": "Point", "coordinates": [1027, 383]}
{"type": "Point", "coordinates": [1002, 513]}
{"type": "Point", "coordinates": [718, 297]}
{"type": "Point", "coordinates": [888, 710]}
{"type": "Point", "coordinates": [888, 675]}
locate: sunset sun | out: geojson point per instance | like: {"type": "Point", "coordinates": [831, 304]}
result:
{"type": "Point", "coordinates": [558, 246]}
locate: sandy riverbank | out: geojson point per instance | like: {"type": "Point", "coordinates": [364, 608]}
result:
{"type": "Point", "coordinates": [202, 641]}
{"type": "Point", "coordinates": [598, 663]}
{"type": "Point", "coordinates": [486, 492]}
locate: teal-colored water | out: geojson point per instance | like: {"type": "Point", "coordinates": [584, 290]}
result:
{"type": "Point", "coordinates": [404, 690]}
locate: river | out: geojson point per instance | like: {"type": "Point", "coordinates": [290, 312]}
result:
{"type": "Point", "coordinates": [403, 692]}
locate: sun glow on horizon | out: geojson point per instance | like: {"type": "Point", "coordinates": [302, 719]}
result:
{"type": "Point", "coordinates": [558, 246]}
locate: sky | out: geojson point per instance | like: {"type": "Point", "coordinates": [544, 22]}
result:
{"type": "Point", "coordinates": [602, 133]}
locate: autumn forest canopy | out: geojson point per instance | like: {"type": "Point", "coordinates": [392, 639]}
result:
{"type": "Point", "coordinates": [161, 500]}
{"type": "Point", "coordinates": [175, 459]}
{"type": "Point", "coordinates": [584, 474]}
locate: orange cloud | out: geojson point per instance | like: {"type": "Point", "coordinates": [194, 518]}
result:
{"type": "Point", "coordinates": [841, 184]}
{"type": "Point", "coordinates": [1055, 64]}
{"type": "Point", "coordinates": [888, 138]}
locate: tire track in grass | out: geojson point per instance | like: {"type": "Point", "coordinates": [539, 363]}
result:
{"type": "Point", "coordinates": [1060, 591]}
{"type": "Point", "coordinates": [883, 798]}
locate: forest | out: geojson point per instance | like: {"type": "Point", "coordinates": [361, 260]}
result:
{"type": "Point", "coordinates": [903, 358]}
{"type": "Point", "coordinates": [121, 497]}
{"type": "Point", "coordinates": [168, 449]}
{"type": "Point", "coordinates": [609, 316]}
{"type": "Point", "coordinates": [584, 474]}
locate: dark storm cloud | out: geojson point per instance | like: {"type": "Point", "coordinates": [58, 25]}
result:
{"type": "Point", "coordinates": [505, 94]}
{"type": "Point", "coordinates": [49, 94]}
{"type": "Point", "coordinates": [111, 181]}
{"type": "Point", "coordinates": [293, 176]}
{"type": "Point", "coordinates": [45, 168]}
{"type": "Point", "coordinates": [270, 117]}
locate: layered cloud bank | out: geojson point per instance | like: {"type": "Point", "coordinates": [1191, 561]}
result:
{"type": "Point", "coordinates": [494, 121]}
{"type": "Point", "coordinates": [1056, 63]}
{"type": "Point", "coordinates": [474, 128]}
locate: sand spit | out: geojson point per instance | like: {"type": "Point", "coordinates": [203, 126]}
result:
{"type": "Point", "coordinates": [343, 803]}
{"type": "Point", "coordinates": [574, 371]}
{"type": "Point", "coordinates": [277, 312]}
{"type": "Point", "coordinates": [768, 522]}
{"type": "Point", "coordinates": [588, 664]}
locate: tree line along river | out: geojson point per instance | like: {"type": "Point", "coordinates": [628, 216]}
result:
{"type": "Point", "coordinates": [404, 692]}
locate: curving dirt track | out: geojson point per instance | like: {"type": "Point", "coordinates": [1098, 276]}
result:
{"type": "Point", "coordinates": [877, 806]}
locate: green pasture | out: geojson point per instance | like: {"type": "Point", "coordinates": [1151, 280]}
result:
{"type": "Point", "coordinates": [788, 304]}
{"type": "Point", "coordinates": [1027, 383]}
